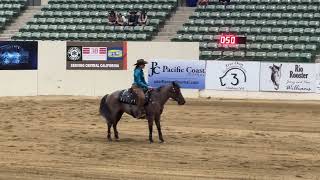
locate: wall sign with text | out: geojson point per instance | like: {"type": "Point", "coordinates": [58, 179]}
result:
{"type": "Point", "coordinates": [96, 55]}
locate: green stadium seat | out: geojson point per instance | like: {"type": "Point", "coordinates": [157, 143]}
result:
{"type": "Point", "coordinates": [271, 22]}
{"type": "Point", "coordinates": [254, 46]}
{"type": "Point", "coordinates": [315, 39]}
{"type": "Point", "coordinates": [35, 35]}
{"type": "Point", "coordinates": [293, 56]}
{"type": "Point", "coordinates": [307, 16]}
{"type": "Point", "coordinates": [311, 47]}
{"type": "Point", "coordinates": [235, 15]}
{"type": "Point", "coordinates": [177, 37]}
{"type": "Point", "coordinates": [73, 36]}
{"type": "Point", "coordinates": [272, 55]}
{"type": "Point", "coordinates": [255, 30]}
{"type": "Point", "coordinates": [283, 55]}
{"type": "Point", "coordinates": [286, 15]}
{"type": "Point", "coordinates": [300, 47]}
{"type": "Point", "coordinates": [193, 29]}
{"type": "Point", "coordinates": [239, 54]}
{"type": "Point", "coordinates": [282, 38]}
{"type": "Point", "coordinates": [261, 38]}
{"type": "Point", "coordinates": [54, 36]}
{"type": "Point", "coordinates": [251, 38]}
{"type": "Point", "coordinates": [271, 38]}
{"type": "Point", "coordinates": [297, 16]}
{"type": "Point", "coordinates": [261, 8]}
{"type": "Point", "coordinates": [132, 37]}
{"type": "Point", "coordinates": [197, 37]}
{"type": "Point", "coordinates": [224, 29]}
{"type": "Point", "coordinates": [261, 54]}
{"type": "Point", "coordinates": [225, 15]}
{"type": "Point", "coordinates": [310, 31]}
{"type": "Point", "coordinates": [245, 15]}
{"type": "Point", "coordinates": [293, 39]}
{"type": "Point", "coordinates": [63, 36]}
{"type": "Point", "coordinates": [314, 23]}
{"type": "Point", "coordinates": [266, 46]}
{"type": "Point", "coordinates": [62, 28]}
{"type": "Point", "coordinates": [80, 28]}
{"type": "Point", "coordinates": [230, 7]}
{"type": "Point", "coordinates": [261, 22]}
{"type": "Point", "coordinates": [120, 29]}
{"type": "Point", "coordinates": [302, 8]}
{"type": "Point", "coordinates": [203, 46]}
{"type": "Point", "coordinates": [187, 37]}
{"type": "Point", "coordinates": [212, 46]}
{"type": "Point", "coordinates": [255, 15]}
{"type": "Point", "coordinates": [205, 55]}
{"type": "Point", "coordinates": [244, 30]}
{"type": "Point", "coordinates": [208, 38]}
{"type": "Point", "coordinates": [250, 22]}
{"type": "Point", "coordinates": [288, 47]}
{"type": "Point", "coordinates": [240, 22]}
{"type": "Point", "coordinates": [121, 36]}
{"type": "Point", "coordinates": [99, 28]}
{"type": "Point", "coordinates": [266, 30]}
{"type": "Point", "coordinates": [291, 8]}
{"type": "Point", "coordinates": [304, 39]}
{"type": "Point", "coordinates": [276, 15]}
{"type": "Point", "coordinates": [90, 28]}
{"type": "Point", "coordinates": [203, 30]}
{"type": "Point", "coordinates": [109, 28]}
{"type": "Point", "coordinates": [235, 29]}
{"type": "Point", "coordinates": [250, 54]}
{"type": "Point", "coordinates": [276, 30]}
{"type": "Point", "coordinates": [43, 27]}
{"type": "Point", "coordinates": [287, 31]}
{"type": "Point", "coordinates": [230, 22]}
{"type": "Point", "coordinates": [298, 31]}
{"type": "Point", "coordinates": [306, 57]}
{"type": "Point", "coordinates": [303, 23]}
{"type": "Point", "coordinates": [34, 28]}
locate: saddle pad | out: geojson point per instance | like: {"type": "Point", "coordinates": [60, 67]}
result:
{"type": "Point", "coordinates": [127, 97]}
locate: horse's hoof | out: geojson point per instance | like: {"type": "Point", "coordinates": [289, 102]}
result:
{"type": "Point", "coordinates": [151, 141]}
{"type": "Point", "coordinates": [161, 141]}
{"type": "Point", "coordinates": [109, 139]}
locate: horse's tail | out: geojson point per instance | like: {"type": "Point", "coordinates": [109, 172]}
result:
{"type": "Point", "coordinates": [104, 109]}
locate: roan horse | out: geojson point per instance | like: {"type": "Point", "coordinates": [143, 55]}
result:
{"type": "Point", "coordinates": [112, 109]}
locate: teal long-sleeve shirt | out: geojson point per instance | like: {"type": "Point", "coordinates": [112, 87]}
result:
{"type": "Point", "coordinates": [139, 78]}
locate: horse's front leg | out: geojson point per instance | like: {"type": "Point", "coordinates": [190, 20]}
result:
{"type": "Point", "coordinates": [150, 124]}
{"type": "Point", "coordinates": [157, 119]}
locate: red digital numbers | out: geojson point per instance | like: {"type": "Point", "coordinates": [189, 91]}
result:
{"type": "Point", "coordinates": [227, 39]}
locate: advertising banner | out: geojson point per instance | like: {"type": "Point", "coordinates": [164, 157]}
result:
{"type": "Point", "coordinates": [288, 77]}
{"type": "Point", "coordinates": [96, 55]}
{"type": "Point", "coordinates": [18, 55]}
{"type": "Point", "coordinates": [318, 77]}
{"type": "Point", "coordinates": [232, 75]}
{"type": "Point", "coordinates": [189, 74]}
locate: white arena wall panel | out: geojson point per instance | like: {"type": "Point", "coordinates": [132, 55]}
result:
{"type": "Point", "coordinates": [18, 83]}
{"type": "Point", "coordinates": [54, 79]}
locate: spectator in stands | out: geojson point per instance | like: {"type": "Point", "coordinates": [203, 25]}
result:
{"type": "Point", "coordinates": [121, 20]}
{"type": "Point", "coordinates": [112, 18]}
{"type": "Point", "coordinates": [225, 2]}
{"type": "Point", "coordinates": [204, 2]}
{"type": "Point", "coordinates": [143, 18]}
{"type": "Point", "coordinates": [132, 20]}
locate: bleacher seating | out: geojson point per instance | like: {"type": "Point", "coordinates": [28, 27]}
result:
{"type": "Point", "coordinates": [9, 9]}
{"type": "Point", "coordinates": [87, 20]}
{"type": "Point", "coordinates": [287, 30]}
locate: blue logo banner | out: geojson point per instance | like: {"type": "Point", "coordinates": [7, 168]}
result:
{"type": "Point", "coordinates": [18, 55]}
{"type": "Point", "coordinates": [190, 74]}
{"type": "Point", "coordinates": [115, 53]}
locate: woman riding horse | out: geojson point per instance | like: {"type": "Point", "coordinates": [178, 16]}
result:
{"type": "Point", "coordinates": [140, 86]}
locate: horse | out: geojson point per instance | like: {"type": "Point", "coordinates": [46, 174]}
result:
{"type": "Point", "coordinates": [276, 75]}
{"type": "Point", "coordinates": [112, 109]}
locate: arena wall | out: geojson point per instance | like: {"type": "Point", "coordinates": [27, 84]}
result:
{"type": "Point", "coordinates": [52, 78]}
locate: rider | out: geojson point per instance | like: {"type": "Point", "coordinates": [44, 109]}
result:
{"type": "Point", "coordinates": [140, 86]}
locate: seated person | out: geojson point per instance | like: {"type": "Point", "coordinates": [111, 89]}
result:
{"type": "Point", "coordinates": [143, 18]}
{"type": "Point", "coordinates": [121, 20]}
{"type": "Point", "coordinates": [132, 20]}
{"type": "Point", "coordinates": [203, 2]}
{"type": "Point", "coordinates": [112, 19]}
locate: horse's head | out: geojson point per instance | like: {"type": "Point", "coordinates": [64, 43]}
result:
{"type": "Point", "coordinates": [276, 75]}
{"type": "Point", "coordinates": [175, 93]}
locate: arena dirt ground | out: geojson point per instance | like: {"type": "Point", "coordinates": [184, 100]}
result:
{"type": "Point", "coordinates": [65, 138]}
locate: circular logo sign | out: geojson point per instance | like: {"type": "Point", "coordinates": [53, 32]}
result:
{"type": "Point", "coordinates": [74, 54]}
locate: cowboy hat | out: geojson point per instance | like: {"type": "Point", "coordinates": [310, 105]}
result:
{"type": "Point", "coordinates": [141, 62]}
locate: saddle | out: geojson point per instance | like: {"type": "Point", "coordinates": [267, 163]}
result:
{"type": "Point", "coordinates": [127, 96]}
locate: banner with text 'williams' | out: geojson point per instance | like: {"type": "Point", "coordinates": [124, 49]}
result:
{"type": "Point", "coordinates": [189, 74]}
{"type": "Point", "coordinates": [289, 77]}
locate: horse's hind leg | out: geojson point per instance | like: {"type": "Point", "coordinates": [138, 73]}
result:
{"type": "Point", "coordinates": [109, 131]}
{"type": "Point", "coordinates": [157, 120]}
{"type": "Point", "coordinates": [116, 134]}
